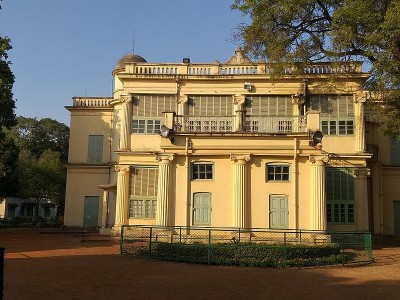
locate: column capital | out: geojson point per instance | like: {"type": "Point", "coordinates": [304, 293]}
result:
{"type": "Point", "coordinates": [360, 97]}
{"type": "Point", "coordinates": [165, 158]}
{"type": "Point", "coordinates": [239, 99]}
{"type": "Point", "coordinates": [361, 173]}
{"type": "Point", "coordinates": [182, 99]}
{"type": "Point", "coordinates": [124, 169]}
{"type": "Point", "coordinates": [298, 99]}
{"type": "Point", "coordinates": [240, 158]}
{"type": "Point", "coordinates": [318, 160]}
{"type": "Point", "coordinates": [124, 98]}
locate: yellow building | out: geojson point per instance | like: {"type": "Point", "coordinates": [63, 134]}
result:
{"type": "Point", "coordinates": [237, 148]}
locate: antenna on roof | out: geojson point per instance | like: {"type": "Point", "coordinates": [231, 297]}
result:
{"type": "Point", "coordinates": [133, 41]}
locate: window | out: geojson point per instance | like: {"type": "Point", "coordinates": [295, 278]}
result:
{"type": "Point", "coordinates": [142, 209]}
{"type": "Point", "coordinates": [205, 105]}
{"type": "Point", "coordinates": [146, 126]}
{"type": "Point", "coordinates": [143, 192]}
{"type": "Point", "coordinates": [269, 106]}
{"type": "Point", "coordinates": [202, 171]}
{"type": "Point", "coordinates": [95, 149]}
{"type": "Point", "coordinates": [277, 173]}
{"type": "Point", "coordinates": [337, 113]}
{"type": "Point", "coordinates": [340, 196]}
{"type": "Point", "coordinates": [337, 127]}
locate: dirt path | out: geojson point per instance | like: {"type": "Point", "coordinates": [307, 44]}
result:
{"type": "Point", "coordinates": [59, 266]}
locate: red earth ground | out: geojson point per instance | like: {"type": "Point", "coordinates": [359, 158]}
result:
{"type": "Point", "coordinates": [68, 266]}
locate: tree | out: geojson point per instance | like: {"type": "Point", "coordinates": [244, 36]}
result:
{"type": "Point", "coordinates": [41, 178]}
{"type": "Point", "coordinates": [8, 153]}
{"type": "Point", "coordinates": [303, 31]}
{"type": "Point", "coordinates": [37, 136]}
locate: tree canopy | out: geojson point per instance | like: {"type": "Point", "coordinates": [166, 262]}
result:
{"type": "Point", "coordinates": [303, 31]}
{"type": "Point", "coordinates": [8, 151]}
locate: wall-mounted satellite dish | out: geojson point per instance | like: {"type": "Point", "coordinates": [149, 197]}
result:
{"type": "Point", "coordinates": [166, 132]}
{"type": "Point", "coordinates": [316, 138]}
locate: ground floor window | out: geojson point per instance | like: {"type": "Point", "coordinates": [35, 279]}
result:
{"type": "Point", "coordinates": [143, 192]}
{"type": "Point", "coordinates": [340, 203]}
{"type": "Point", "coordinates": [143, 209]}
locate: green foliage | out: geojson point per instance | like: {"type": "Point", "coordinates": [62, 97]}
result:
{"type": "Point", "coordinates": [37, 136]}
{"type": "Point", "coordinates": [41, 178]}
{"type": "Point", "coordinates": [248, 254]}
{"type": "Point", "coordinates": [303, 31]}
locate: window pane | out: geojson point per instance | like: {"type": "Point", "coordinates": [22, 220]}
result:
{"type": "Point", "coordinates": [277, 172]}
{"type": "Point", "coordinates": [202, 171]}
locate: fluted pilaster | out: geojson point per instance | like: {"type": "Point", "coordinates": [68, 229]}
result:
{"type": "Point", "coordinates": [121, 209]}
{"type": "Point", "coordinates": [361, 199]}
{"type": "Point", "coordinates": [239, 190]}
{"type": "Point", "coordinates": [317, 194]}
{"type": "Point", "coordinates": [125, 122]}
{"type": "Point", "coordinates": [359, 123]}
{"type": "Point", "coordinates": [163, 192]}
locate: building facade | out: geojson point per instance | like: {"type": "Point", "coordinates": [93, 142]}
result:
{"type": "Point", "coordinates": [229, 145]}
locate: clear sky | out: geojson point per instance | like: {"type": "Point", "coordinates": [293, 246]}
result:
{"type": "Point", "coordinates": [66, 48]}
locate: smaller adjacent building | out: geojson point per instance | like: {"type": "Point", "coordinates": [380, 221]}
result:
{"type": "Point", "coordinates": [11, 207]}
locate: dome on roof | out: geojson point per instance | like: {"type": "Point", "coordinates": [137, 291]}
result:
{"type": "Point", "coordinates": [129, 58]}
{"type": "Point", "coordinates": [239, 58]}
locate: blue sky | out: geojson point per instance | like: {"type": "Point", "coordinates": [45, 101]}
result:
{"type": "Point", "coordinates": [66, 48]}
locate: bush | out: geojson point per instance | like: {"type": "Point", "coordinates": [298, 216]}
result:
{"type": "Point", "coordinates": [248, 254]}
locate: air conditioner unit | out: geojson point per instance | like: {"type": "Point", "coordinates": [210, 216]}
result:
{"type": "Point", "coordinates": [247, 86]}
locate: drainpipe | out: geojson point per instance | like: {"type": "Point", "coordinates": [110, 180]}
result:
{"type": "Point", "coordinates": [187, 190]}
{"type": "Point", "coordinates": [381, 196]}
{"type": "Point", "coordinates": [295, 195]}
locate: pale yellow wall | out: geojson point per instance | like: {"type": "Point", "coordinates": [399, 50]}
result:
{"type": "Point", "coordinates": [83, 124]}
{"type": "Point", "coordinates": [391, 192]}
{"type": "Point", "coordinates": [81, 183]}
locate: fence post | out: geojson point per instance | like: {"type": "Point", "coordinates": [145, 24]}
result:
{"type": "Point", "coordinates": [121, 240]}
{"type": "Point", "coordinates": [368, 244]}
{"type": "Point", "coordinates": [150, 240]}
{"type": "Point", "coordinates": [239, 234]}
{"type": "Point", "coordinates": [209, 246]}
{"type": "Point", "coordinates": [180, 234]}
{"type": "Point", "coordinates": [284, 249]}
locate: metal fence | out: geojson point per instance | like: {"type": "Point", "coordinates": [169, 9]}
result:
{"type": "Point", "coordinates": [2, 254]}
{"type": "Point", "coordinates": [247, 247]}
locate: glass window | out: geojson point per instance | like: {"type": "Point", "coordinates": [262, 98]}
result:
{"type": "Point", "coordinates": [95, 148]}
{"type": "Point", "coordinates": [278, 173]}
{"type": "Point", "coordinates": [202, 171]}
{"type": "Point", "coordinates": [146, 126]}
{"type": "Point", "coordinates": [340, 196]}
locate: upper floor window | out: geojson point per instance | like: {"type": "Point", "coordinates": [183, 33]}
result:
{"type": "Point", "coordinates": [337, 113]}
{"type": "Point", "coordinates": [95, 148]}
{"type": "Point", "coordinates": [210, 105]}
{"type": "Point", "coordinates": [269, 105]}
{"type": "Point", "coordinates": [202, 171]}
{"type": "Point", "coordinates": [277, 172]}
{"type": "Point", "coordinates": [146, 126]}
{"type": "Point", "coordinates": [152, 105]}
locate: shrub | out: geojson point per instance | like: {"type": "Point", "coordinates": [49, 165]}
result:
{"type": "Point", "coordinates": [248, 254]}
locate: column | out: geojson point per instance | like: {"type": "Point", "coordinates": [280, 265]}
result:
{"type": "Point", "coordinates": [121, 208]}
{"type": "Point", "coordinates": [240, 112]}
{"type": "Point", "coordinates": [104, 221]}
{"type": "Point", "coordinates": [125, 122]}
{"type": "Point", "coordinates": [240, 212]}
{"type": "Point", "coordinates": [359, 101]}
{"type": "Point", "coordinates": [163, 191]}
{"type": "Point", "coordinates": [361, 199]}
{"type": "Point", "coordinates": [317, 194]}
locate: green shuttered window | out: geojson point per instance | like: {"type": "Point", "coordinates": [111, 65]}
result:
{"type": "Point", "coordinates": [340, 204]}
{"type": "Point", "coordinates": [337, 113]}
{"type": "Point", "coordinates": [269, 106]}
{"type": "Point", "coordinates": [95, 149]}
{"type": "Point", "coordinates": [143, 192]}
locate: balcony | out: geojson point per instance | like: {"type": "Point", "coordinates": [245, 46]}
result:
{"type": "Point", "coordinates": [229, 124]}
